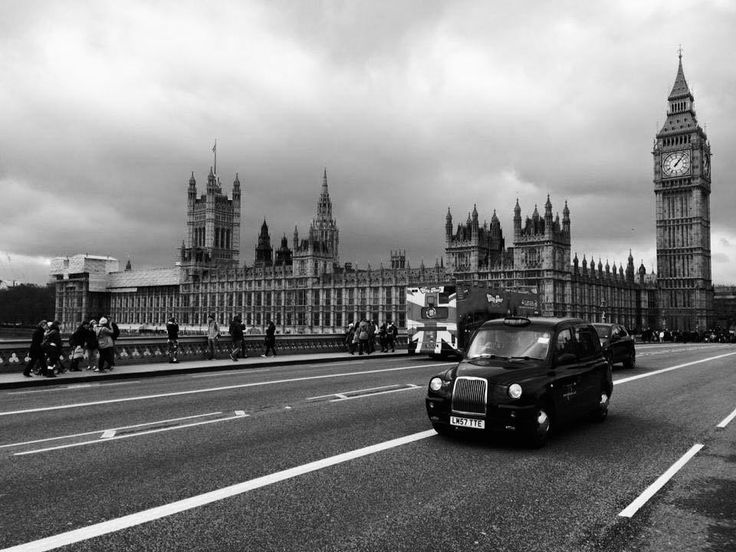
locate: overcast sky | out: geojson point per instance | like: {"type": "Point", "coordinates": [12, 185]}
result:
{"type": "Point", "coordinates": [107, 107]}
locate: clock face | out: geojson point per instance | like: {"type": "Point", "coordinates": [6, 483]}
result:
{"type": "Point", "coordinates": [676, 163]}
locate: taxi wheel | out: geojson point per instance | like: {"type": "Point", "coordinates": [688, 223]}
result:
{"type": "Point", "coordinates": [630, 362]}
{"type": "Point", "coordinates": [601, 411]}
{"type": "Point", "coordinates": [540, 428]}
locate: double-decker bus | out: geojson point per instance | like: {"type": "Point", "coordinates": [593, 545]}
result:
{"type": "Point", "coordinates": [440, 319]}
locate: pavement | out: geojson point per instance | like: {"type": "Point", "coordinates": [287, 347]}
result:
{"type": "Point", "coordinates": [15, 380]}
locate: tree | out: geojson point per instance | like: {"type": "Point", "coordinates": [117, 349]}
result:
{"type": "Point", "coordinates": [26, 304]}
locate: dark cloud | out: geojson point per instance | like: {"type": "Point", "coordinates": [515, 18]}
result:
{"type": "Point", "coordinates": [413, 107]}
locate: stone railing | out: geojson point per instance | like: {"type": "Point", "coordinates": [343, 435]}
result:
{"type": "Point", "coordinates": [143, 349]}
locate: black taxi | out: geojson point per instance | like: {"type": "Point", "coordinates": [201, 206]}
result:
{"type": "Point", "coordinates": [523, 375]}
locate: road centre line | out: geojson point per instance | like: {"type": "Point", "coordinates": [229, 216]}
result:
{"type": "Point", "coordinates": [231, 373]}
{"type": "Point", "coordinates": [238, 416]}
{"type": "Point", "coordinates": [139, 518]}
{"type": "Point", "coordinates": [650, 491]}
{"type": "Point", "coordinates": [222, 388]}
{"type": "Point", "coordinates": [356, 391]}
{"type": "Point", "coordinates": [727, 420]}
{"type": "Point", "coordinates": [663, 370]}
{"type": "Point", "coordinates": [114, 429]}
{"type": "Point", "coordinates": [345, 398]}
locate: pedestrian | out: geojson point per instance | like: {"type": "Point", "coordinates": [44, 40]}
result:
{"type": "Point", "coordinates": [52, 349]}
{"type": "Point", "coordinates": [270, 341]}
{"type": "Point", "coordinates": [172, 328]}
{"type": "Point", "coordinates": [115, 335]}
{"type": "Point", "coordinates": [213, 334]}
{"type": "Point", "coordinates": [104, 338]}
{"type": "Point", "coordinates": [236, 334]}
{"type": "Point", "coordinates": [349, 338]}
{"type": "Point", "coordinates": [371, 336]}
{"type": "Point", "coordinates": [383, 338]}
{"type": "Point", "coordinates": [93, 346]}
{"type": "Point", "coordinates": [362, 332]}
{"type": "Point", "coordinates": [76, 346]}
{"type": "Point", "coordinates": [35, 353]}
{"type": "Point", "coordinates": [391, 333]}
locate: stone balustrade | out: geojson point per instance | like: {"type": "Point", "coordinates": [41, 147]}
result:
{"type": "Point", "coordinates": [143, 349]}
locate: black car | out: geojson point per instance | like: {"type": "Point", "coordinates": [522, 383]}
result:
{"type": "Point", "coordinates": [523, 375]}
{"type": "Point", "coordinates": [618, 344]}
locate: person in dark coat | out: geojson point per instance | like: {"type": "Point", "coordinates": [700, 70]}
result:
{"type": "Point", "coordinates": [236, 334]}
{"type": "Point", "coordinates": [104, 333]}
{"type": "Point", "coordinates": [52, 349]}
{"type": "Point", "coordinates": [270, 341]}
{"type": "Point", "coordinates": [391, 333]}
{"type": "Point", "coordinates": [35, 353]}
{"type": "Point", "coordinates": [172, 328]}
{"type": "Point", "coordinates": [77, 342]}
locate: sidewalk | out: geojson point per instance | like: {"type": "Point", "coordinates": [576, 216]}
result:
{"type": "Point", "coordinates": [129, 371]}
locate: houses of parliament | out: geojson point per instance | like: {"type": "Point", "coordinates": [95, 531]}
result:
{"type": "Point", "coordinates": [302, 286]}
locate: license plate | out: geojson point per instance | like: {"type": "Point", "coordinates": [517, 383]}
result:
{"type": "Point", "coordinates": [467, 422]}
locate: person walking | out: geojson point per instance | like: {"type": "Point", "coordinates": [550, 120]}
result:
{"type": "Point", "coordinates": [362, 332]}
{"type": "Point", "coordinates": [213, 334]}
{"type": "Point", "coordinates": [35, 353]}
{"type": "Point", "coordinates": [172, 328]}
{"type": "Point", "coordinates": [383, 338]}
{"type": "Point", "coordinates": [270, 340]}
{"type": "Point", "coordinates": [349, 338]}
{"type": "Point", "coordinates": [371, 336]}
{"type": "Point", "coordinates": [93, 346]}
{"type": "Point", "coordinates": [52, 349]}
{"type": "Point", "coordinates": [236, 334]}
{"type": "Point", "coordinates": [76, 345]}
{"type": "Point", "coordinates": [392, 333]}
{"type": "Point", "coordinates": [104, 338]}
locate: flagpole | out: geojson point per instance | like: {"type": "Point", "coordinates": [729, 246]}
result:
{"type": "Point", "coordinates": [214, 150]}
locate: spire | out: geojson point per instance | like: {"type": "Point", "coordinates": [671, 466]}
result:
{"type": "Point", "coordinates": [680, 89]}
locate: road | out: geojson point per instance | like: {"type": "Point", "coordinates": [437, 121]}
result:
{"type": "Point", "coordinates": [342, 457]}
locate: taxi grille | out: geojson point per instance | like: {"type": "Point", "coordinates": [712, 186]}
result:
{"type": "Point", "coordinates": [469, 396]}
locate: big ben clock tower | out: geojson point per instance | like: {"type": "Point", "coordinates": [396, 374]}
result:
{"type": "Point", "coordinates": [682, 192]}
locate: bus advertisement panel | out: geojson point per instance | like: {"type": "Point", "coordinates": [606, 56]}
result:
{"type": "Point", "coordinates": [431, 319]}
{"type": "Point", "coordinates": [441, 319]}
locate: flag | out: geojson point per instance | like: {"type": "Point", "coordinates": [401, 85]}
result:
{"type": "Point", "coordinates": [214, 148]}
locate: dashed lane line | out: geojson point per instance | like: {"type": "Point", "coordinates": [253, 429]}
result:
{"type": "Point", "coordinates": [727, 420]}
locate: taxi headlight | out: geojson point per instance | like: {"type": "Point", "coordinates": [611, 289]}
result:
{"type": "Point", "coordinates": [514, 390]}
{"type": "Point", "coordinates": [435, 384]}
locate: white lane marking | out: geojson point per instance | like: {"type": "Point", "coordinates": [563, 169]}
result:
{"type": "Point", "coordinates": [72, 386]}
{"type": "Point", "coordinates": [231, 373]}
{"type": "Point", "coordinates": [132, 520]}
{"type": "Point", "coordinates": [663, 370]}
{"type": "Point", "coordinates": [115, 428]}
{"type": "Point", "coordinates": [354, 392]}
{"type": "Point", "coordinates": [353, 397]}
{"type": "Point", "coordinates": [223, 388]}
{"type": "Point", "coordinates": [727, 420]}
{"type": "Point", "coordinates": [129, 435]}
{"type": "Point", "coordinates": [642, 499]}
{"type": "Point", "coordinates": [109, 434]}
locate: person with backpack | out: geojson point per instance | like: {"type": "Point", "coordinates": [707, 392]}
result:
{"type": "Point", "coordinates": [362, 333]}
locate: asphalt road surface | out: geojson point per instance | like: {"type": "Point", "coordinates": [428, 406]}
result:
{"type": "Point", "coordinates": [342, 457]}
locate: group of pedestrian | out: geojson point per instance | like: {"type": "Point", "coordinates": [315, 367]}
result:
{"type": "Point", "coordinates": [96, 338]}
{"type": "Point", "coordinates": [237, 329]}
{"type": "Point", "coordinates": [364, 335]}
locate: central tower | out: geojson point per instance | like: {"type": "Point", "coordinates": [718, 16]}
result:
{"type": "Point", "coordinates": [682, 190]}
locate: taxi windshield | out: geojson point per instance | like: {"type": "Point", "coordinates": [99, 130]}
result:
{"type": "Point", "coordinates": [509, 343]}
